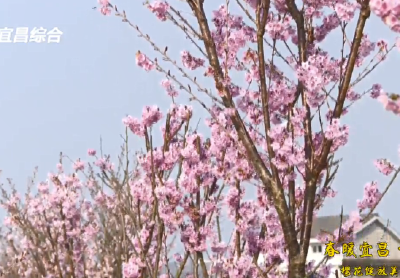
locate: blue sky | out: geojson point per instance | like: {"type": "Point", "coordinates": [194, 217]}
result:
{"type": "Point", "coordinates": [63, 97]}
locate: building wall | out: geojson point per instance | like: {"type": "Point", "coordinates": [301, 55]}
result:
{"type": "Point", "coordinates": [375, 233]}
{"type": "Point", "coordinates": [336, 261]}
{"type": "Point", "coordinates": [317, 255]}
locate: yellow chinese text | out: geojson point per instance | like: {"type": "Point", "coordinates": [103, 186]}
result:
{"type": "Point", "coordinates": [394, 271]}
{"type": "Point", "coordinates": [365, 247]}
{"type": "Point", "coordinates": [345, 271]}
{"type": "Point", "coordinates": [330, 250]}
{"type": "Point", "coordinates": [369, 271]}
{"type": "Point", "coordinates": [348, 249]}
{"type": "Point", "coordinates": [381, 271]}
{"type": "Point", "coordinates": [382, 249]}
{"type": "Point", "coordinates": [358, 271]}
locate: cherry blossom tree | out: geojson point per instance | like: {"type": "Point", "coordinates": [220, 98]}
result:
{"type": "Point", "coordinates": [278, 132]}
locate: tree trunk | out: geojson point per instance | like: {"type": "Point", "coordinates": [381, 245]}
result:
{"type": "Point", "coordinates": [296, 268]}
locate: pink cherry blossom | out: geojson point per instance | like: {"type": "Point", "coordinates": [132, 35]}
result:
{"type": "Point", "coordinates": [79, 165]}
{"type": "Point", "coordinates": [143, 61]}
{"type": "Point", "coordinates": [384, 166]}
{"type": "Point", "coordinates": [105, 7]}
{"type": "Point", "coordinates": [91, 152]}
{"type": "Point", "coordinates": [160, 8]}
{"type": "Point", "coordinates": [169, 87]}
{"type": "Point", "coordinates": [371, 196]}
{"type": "Point", "coordinates": [191, 62]}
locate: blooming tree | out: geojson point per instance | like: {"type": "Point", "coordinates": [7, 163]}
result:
{"type": "Point", "coordinates": [274, 133]}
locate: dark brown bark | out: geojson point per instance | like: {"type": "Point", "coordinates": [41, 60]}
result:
{"type": "Point", "coordinates": [252, 152]}
{"type": "Point", "coordinates": [315, 165]}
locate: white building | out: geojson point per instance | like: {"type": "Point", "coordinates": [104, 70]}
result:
{"type": "Point", "coordinates": [374, 231]}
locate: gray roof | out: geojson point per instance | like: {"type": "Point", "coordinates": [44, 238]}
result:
{"type": "Point", "coordinates": [330, 223]}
